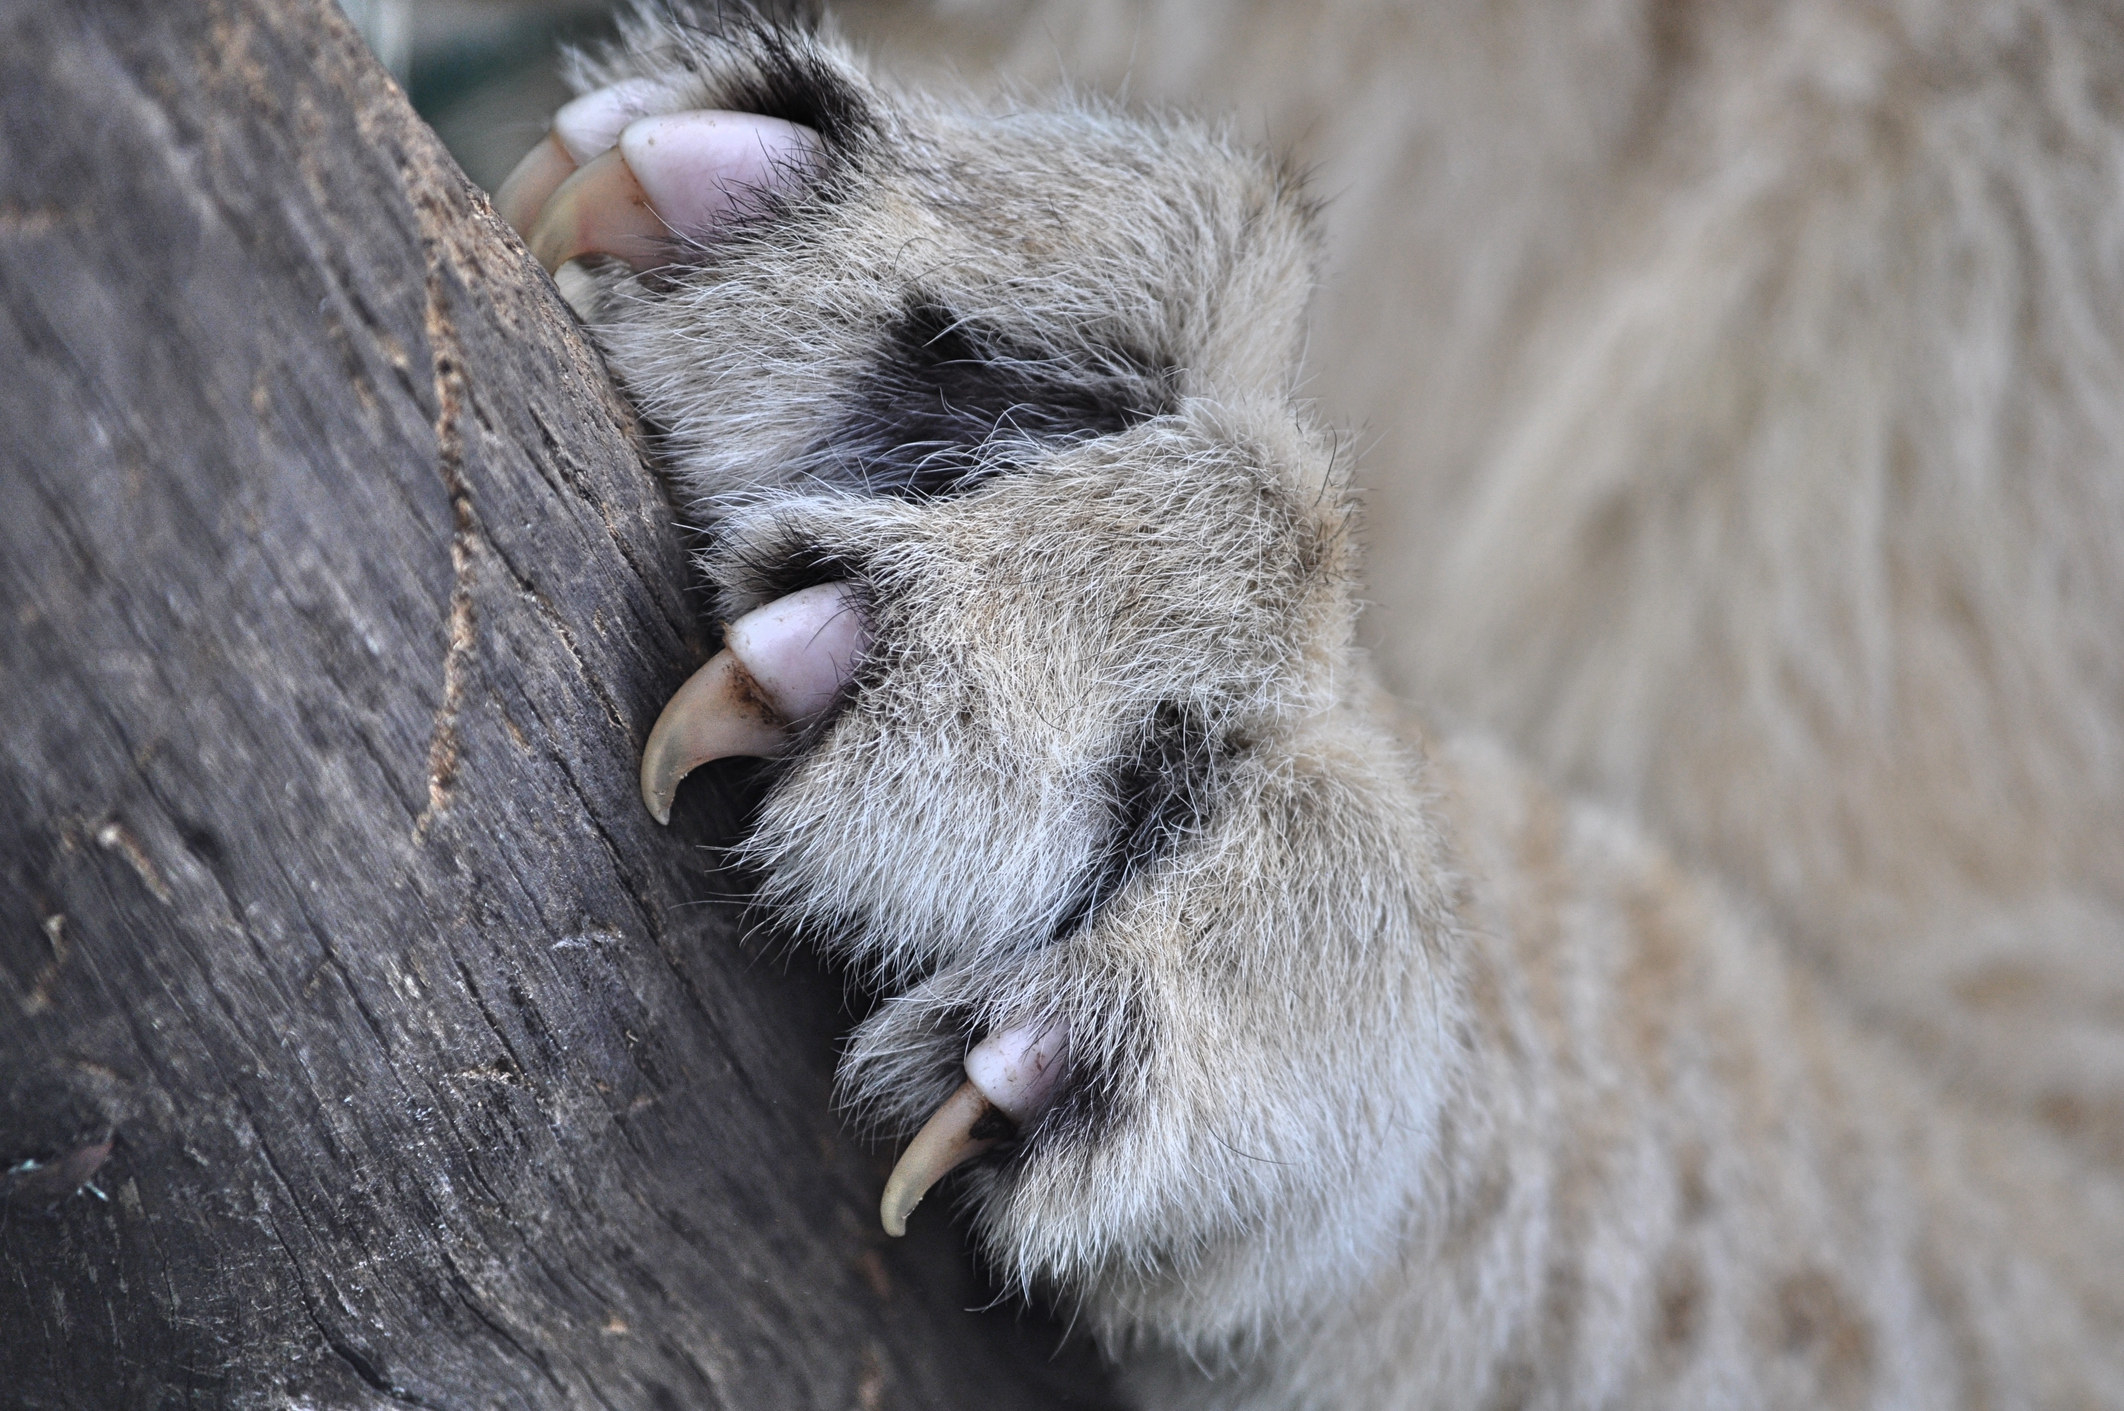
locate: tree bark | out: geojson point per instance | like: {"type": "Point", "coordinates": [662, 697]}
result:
{"type": "Point", "coordinates": [363, 1042]}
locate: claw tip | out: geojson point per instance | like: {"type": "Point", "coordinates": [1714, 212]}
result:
{"type": "Point", "coordinates": [717, 713]}
{"type": "Point", "coordinates": [946, 1141]}
{"type": "Point", "coordinates": [656, 795]}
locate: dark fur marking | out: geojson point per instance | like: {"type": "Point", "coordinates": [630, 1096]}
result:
{"type": "Point", "coordinates": [781, 564]}
{"type": "Point", "coordinates": [993, 1125]}
{"type": "Point", "coordinates": [1680, 1297]}
{"type": "Point", "coordinates": [947, 403]}
{"type": "Point", "coordinates": [796, 85]}
{"type": "Point", "coordinates": [1159, 798]}
{"type": "Point", "coordinates": [791, 79]}
{"type": "Point", "coordinates": [1093, 1100]}
{"type": "Point", "coordinates": [1817, 1319]}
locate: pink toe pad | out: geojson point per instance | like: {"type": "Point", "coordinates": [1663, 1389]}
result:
{"type": "Point", "coordinates": [1020, 1069]}
{"type": "Point", "coordinates": [593, 122]}
{"type": "Point", "coordinates": [700, 169]}
{"type": "Point", "coordinates": [800, 649]}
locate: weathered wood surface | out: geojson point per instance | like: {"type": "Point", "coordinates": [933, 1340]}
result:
{"type": "Point", "coordinates": [334, 608]}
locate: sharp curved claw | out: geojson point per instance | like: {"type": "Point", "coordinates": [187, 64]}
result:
{"type": "Point", "coordinates": [1011, 1078]}
{"type": "Point", "coordinates": [581, 130]}
{"type": "Point", "coordinates": [719, 712]}
{"type": "Point", "coordinates": [533, 182]}
{"type": "Point", "coordinates": [599, 210]}
{"type": "Point", "coordinates": [783, 663]}
{"type": "Point", "coordinates": [662, 178]}
{"type": "Point", "coordinates": [946, 1141]}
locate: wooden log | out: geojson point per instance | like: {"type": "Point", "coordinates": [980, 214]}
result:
{"type": "Point", "coordinates": [362, 1040]}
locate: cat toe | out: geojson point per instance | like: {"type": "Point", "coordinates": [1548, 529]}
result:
{"type": "Point", "coordinates": [612, 180]}
{"type": "Point", "coordinates": [781, 666]}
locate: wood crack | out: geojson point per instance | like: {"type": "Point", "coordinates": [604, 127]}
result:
{"type": "Point", "coordinates": [444, 747]}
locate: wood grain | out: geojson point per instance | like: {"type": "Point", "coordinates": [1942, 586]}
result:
{"type": "Point", "coordinates": [335, 604]}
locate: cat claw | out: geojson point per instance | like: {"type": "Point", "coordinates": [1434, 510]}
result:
{"type": "Point", "coordinates": [581, 130]}
{"type": "Point", "coordinates": [946, 1142]}
{"type": "Point", "coordinates": [519, 199]}
{"type": "Point", "coordinates": [1011, 1078]}
{"type": "Point", "coordinates": [780, 665]}
{"type": "Point", "coordinates": [606, 181]}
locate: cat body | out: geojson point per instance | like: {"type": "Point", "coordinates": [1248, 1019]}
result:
{"type": "Point", "coordinates": [1720, 1009]}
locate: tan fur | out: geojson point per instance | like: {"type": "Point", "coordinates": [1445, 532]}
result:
{"type": "Point", "coordinates": [1742, 389]}
{"type": "Point", "coordinates": [1752, 373]}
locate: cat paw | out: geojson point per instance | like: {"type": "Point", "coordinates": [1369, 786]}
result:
{"type": "Point", "coordinates": [1038, 584]}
